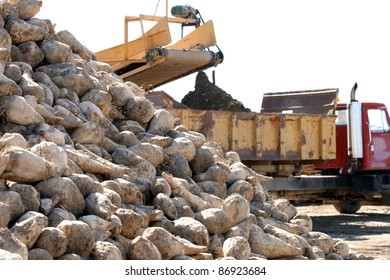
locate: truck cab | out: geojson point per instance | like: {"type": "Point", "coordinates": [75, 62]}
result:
{"type": "Point", "coordinates": [375, 134]}
{"type": "Point", "coordinates": [361, 168]}
{"type": "Point", "coordinates": [376, 137]}
{"type": "Point", "coordinates": [360, 172]}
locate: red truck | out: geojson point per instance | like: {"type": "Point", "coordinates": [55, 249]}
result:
{"type": "Point", "coordinates": [315, 148]}
{"type": "Point", "coordinates": [360, 173]}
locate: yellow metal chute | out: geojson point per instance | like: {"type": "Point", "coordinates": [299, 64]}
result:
{"type": "Point", "coordinates": [151, 59]}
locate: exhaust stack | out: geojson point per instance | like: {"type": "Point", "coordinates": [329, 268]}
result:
{"type": "Point", "coordinates": [355, 132]}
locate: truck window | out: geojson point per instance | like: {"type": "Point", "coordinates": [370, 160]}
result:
{"type": "Point", "coordinates": [378, 120]}
{"type": "Point", "coordinates": [342, 117]}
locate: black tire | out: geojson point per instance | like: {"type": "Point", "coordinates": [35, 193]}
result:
{"type": "Point", "coordinates": [347, 206]}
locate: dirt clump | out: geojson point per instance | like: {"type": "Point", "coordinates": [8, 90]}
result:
{"type": "Point", "coordinates": [208, 96]}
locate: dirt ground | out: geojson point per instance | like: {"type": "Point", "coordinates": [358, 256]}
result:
{"type": "Point", "coordinates": [367, 232]}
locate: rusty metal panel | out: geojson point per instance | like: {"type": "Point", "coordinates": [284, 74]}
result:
{"type": "Point", "coordinates": [311, 137]}
{"type": "Point", "coordinates": [328, 133]}
{"type": "Point", "coordinates": [194, 120]}
{"type": "Point", "coordinates": [290, 142]}
{"type": "Point", "coordinates": [321, 102]}
{"type": "Point", "coordinates": [219, 128]}
{"type": "Point", "coordinates": [243, 138]}
{"type": "Point", "coordinates": [215, 125]}
{"type": "Point", "coordinates": [266, 138]}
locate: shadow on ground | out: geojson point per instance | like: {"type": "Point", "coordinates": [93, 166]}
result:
{"type": "Point", "coordinates": [360, 224]}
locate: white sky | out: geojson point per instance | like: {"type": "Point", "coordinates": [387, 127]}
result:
{"type": "Point", "coordinates": [269, 46]}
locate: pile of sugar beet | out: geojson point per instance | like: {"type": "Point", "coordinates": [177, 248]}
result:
{"type": "Point", "coordinates": [89, 169]}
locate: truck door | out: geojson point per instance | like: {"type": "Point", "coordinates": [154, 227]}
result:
{"type": "Point", "coordinates": [377, 144]}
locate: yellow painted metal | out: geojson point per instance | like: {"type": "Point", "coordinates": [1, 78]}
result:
{"type": "Point", "coordinates": [328, 136]}
{"type": "Point", "coordinates": [278, 139]}
{"type": "Point", "coordinates": [311, 137]}
{"type": "Point", "coordinates": [267, 147]}
{"type": "Point", "coordinates": [134, 51]}
{"type": "Point", "coordinates": [243, 136]}
{"type": "Point", "coordinates": [291, 146]}
{"type": "Point", "coordinates": [215, 125]}
{"type": "Point", "coordinates": [151, 59]}
{"type": "Point", "coordinates": [201, 38]}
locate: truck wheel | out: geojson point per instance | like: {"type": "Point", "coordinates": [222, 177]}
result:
{"type": "Point", "coordinates": [347, 206]}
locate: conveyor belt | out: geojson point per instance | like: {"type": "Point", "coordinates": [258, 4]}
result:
{"type": "Point", "coordinates": [166, 65]}
{"type": "Point", "coordinates": [151, 61]}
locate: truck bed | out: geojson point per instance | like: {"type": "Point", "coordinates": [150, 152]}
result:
{"type": "Point", "coordinates": [267, 142]}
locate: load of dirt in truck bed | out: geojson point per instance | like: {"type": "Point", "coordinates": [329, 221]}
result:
{"type": "Point", "coordinates": [208, 96]}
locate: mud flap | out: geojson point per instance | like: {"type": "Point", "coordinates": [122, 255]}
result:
{"type": "Point", "coordinates": [366, 184]}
